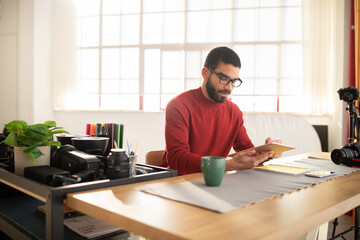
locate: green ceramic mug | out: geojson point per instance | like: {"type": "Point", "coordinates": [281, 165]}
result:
{"type": "Point", "coordinates": [213, 168]}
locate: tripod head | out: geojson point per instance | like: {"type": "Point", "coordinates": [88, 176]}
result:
{"type": "Point", "coordinates": [350, 95]}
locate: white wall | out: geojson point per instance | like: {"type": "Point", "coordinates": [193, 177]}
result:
{"type": "Point", "coordinates": [8, 60]}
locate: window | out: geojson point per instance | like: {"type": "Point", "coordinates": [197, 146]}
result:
{"type": "Point", "coordinates": [138, 54]}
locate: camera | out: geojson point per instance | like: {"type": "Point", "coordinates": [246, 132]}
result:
{"type": "Point", "coordinates": [348, 155]}
{"type": "Point", "coordinates": [348, 94]}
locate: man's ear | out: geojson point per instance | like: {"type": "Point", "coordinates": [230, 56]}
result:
{"type": "Point", "coordinates": [205, 73]}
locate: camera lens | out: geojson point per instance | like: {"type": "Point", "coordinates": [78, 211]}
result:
{"type": "Point", "coordinates": [338, 156]}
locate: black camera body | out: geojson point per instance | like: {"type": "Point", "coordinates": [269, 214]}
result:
{"type": "Point", "coordinates": [348, 94]}
{"type": "Point", "coordinates": [70, 159]}
{"type": "Point", "coordinates": [348, 155]}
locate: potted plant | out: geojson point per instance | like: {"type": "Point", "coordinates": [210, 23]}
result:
{"type": "Point", "coordinates": [31, 142]}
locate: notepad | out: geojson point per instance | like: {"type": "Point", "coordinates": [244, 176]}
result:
{"type": "Point", "coordinates": [282, 169]}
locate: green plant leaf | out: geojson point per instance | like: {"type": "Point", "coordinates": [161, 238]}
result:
{"type": "Point", "coordinates": [31, 157]}
{"type": "Point", "coordinates": [50, 124]}
{"type": "Point", "coordinates": [37, 153]}
{"type": "Point", "coordinates": [31, 148]}
{"type": "Point", "coordinates": [16, 126]}
{"type": "Point", "coordinates": [10, 140]}
{"type": "Point", "coordinates": [55, 143]}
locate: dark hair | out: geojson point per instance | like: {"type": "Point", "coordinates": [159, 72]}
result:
{"type": "Point", "coordinates": [222, 54]}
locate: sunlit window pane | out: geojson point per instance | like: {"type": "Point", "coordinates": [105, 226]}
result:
{"type": "Point", "coordinates": [110, 86]}
{"type": "Point", "coordinates": [197, 27]}
{"type": "Point", "coordinates": [110, 63]}
{"type": "Point", "coordinates": [265, 104]}
{"type": "Point", "coordinates": [174, 5]}
{"type": "Point", "coordinates": [245, 25]}
{"type": "Point", "coordinates": [172, 64]}
{"type": "Point", "coordinates": [111, 7]}
{"type": "Point", "coordinates": [247, 57]}
{"type": "Point", "coordinates": [198, 4]}
{"type": "Point", "coordinates": [291, 87]}
{"type": "Point", "coordinates": [266, 87]}
{"type": "Point", "coordinates": [129, 63]}
{"type": "Point", "coordinates": [130, 6]}
{"type": "Point", "coordinates": [292, 2]}
{"type": "Point", "coordinates": [89, 32]}
{"type": "Point", "coordinates": [223, 4]}
{"type": "Point", "coordinates": [151, 102]}
{"type": "Point", "coordinates": [129, 86]}
{"type": "Point", "coordinates": [120, 102]}
{"type": "Point", "coordinates": [270, 3]}
{"type": "Point", "coordinates": [130, 33]}
{"type": "Point", "coordinates": [246, 3]}
{"type": "Point", "coordinates": [291, 60]}
{"type": "Point", "coordinates": [221, 26]}
{"type": "Point", "coordinates": [152, 28]}
{"type": "Point", "coordinates": [246, 88]}
{"type": "Point", "coordinates": [269, 24]}
{"type": "Point", "coordinates": [86, 102]}
{"type": "Point", "coordinates": [172, 85]}
{"type": "Point", "coordinates": [89, 86]}
{"type": "Point", "coordinates": [89, 64]}
{"type": "Point", "coordinates": [111, 30]}
{"type": "Point", "coordinates": [152, 71]}
{"type": "Point", "coordinates": [266, 61]}
{"type": "Point", "coordinates": [174, 28]}
{"type": "Point", "coordinates": [153, 5]}
{"type": "Point", "coordinates": [87, 7]}
{"type": "Point", "coordinates": [292, 24]}
{"type": "Point", "coordinates": [193, 64]}
{"type": "Point", "coordinates": [165, 98]}
{"type": "Point", "coordinates": [292, 104]}
{"type": "Point", "coordinates": [192, 83]}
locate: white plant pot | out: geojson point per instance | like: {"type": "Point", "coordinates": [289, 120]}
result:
{"type": "Point", "coordinates": [21, 160]}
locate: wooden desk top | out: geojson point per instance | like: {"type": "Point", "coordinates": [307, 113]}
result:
{"type": "Point", "coordinates": [284, 217]}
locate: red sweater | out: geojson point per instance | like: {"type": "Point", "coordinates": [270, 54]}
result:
{"type": "Point", "coordinates": [196, 127]}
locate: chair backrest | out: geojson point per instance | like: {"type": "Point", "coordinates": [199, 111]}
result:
{"type": "Point", "coordinates": [155, 158]}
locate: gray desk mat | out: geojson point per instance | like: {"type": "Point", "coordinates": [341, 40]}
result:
{"type": "Point", "coordinates": [247, 187]}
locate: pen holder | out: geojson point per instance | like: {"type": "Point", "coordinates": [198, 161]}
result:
{"type": "Point", "coordinates": [132, 163]}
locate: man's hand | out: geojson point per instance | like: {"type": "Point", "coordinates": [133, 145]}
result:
{"type": "Point", "coordinates": [276, 140]}
{"type": "Point", "coordinates": [247, 159]}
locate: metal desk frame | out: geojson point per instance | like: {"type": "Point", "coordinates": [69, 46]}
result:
{"type": "Point", "coordinates": [54, 196]}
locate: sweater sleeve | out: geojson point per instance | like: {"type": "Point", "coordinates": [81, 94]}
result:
{"type": "Point", "coordinates": [242, 140]}
{"type": "Point", "coordinates": [177, 129]}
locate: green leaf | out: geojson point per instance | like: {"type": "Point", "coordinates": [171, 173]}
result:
{"type": "Point", "coordinates": [50, 124]}
{"type": "Point", "coordinates": [58, 131]}
{"type": "Point", "coordinates": [31, 148]}
{"type": "Point", "coordinates": [31, 157]}
{"type": "Point", "coordinates": [16, 126]}
{"type": "Point", "coordinates": [10, 140]}
{"type": "Point", "coordinates": [37, 153]}
{"type": "Point", "coordinates": [55, 143]}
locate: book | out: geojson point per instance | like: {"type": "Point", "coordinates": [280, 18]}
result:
{"type": "Point", "coordinates": [277, 148]}
{"type": "Point", "coordinates": [282, 169]}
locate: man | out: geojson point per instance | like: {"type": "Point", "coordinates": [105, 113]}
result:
{"type": "Point", "coordinates": [203, 122]}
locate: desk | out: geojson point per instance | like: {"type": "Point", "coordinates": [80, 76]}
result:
{"type": "Point", "coordinates": [284, 217]}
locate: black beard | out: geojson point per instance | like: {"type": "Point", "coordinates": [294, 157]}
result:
{"type": "Point", "coordinates": [213, 93]}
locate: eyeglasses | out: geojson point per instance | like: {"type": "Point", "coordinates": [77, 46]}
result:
{"type": "Point", "coordinates": [224, 80]}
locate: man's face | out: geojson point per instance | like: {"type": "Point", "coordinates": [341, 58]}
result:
{"type": "Point", "coordinates": [217, 91]}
